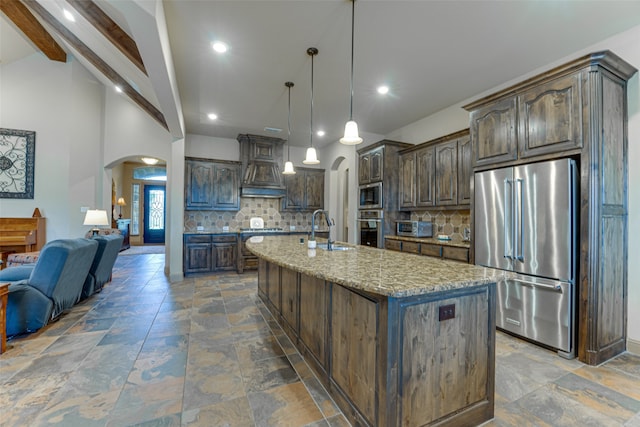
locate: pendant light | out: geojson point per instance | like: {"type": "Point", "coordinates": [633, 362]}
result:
{"type": "Point", "coordinates": [288, 166]}
{"type": "Point", "coordinates": [351, 136]}
{"type": "Point", "coordinates": [312, 157]}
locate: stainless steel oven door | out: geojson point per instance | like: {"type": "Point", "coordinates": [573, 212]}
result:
{"type": "Point", "coordinates": [370, 228]}
{"type": "Point", "coordinates": [370, 196]}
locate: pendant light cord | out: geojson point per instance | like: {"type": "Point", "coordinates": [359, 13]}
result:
{"type": "Point", "coordinates": [353, 13]}
{"type": "Point", "coordinates": [312, 51]}
{"type": "Point", "coordinates": [289, 84]}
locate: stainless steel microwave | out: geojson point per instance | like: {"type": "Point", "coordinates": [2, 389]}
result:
{"type": "Point", "coordinates": [370, 196]}
{"type": "Point", "coordinates": [414, 228]}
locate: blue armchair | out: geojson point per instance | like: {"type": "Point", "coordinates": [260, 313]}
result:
{"type": "Point", "coordinates": [41, 292]}
{"type": "Point", "coordinates": [100, 271]}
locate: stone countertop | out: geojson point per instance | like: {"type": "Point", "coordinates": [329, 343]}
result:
{"type": "Point", "coordinates": [378, 271]}
{"type": "Point", "coordinates": [280, 232]}
{"type": "Point", "coordinates": [459, 243]}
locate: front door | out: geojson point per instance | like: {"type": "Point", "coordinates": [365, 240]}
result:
{"type": "Point", "coordinates": [154, 213]}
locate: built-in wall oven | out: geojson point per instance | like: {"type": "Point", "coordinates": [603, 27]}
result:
{"type": "Point", "coordinates": [370, 228]}
{"type": "Point", "coordinates": [370, 196]}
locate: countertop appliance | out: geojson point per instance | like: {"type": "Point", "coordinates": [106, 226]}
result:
{"type": "Point", "coordinates": [414, 228]}
{"type": "Point", "coordinates": [370, 196]}
{"type": "Point", "coordinates": [525, 223]}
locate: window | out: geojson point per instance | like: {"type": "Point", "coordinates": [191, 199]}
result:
{"type": "Point", "coordinates": [135, 210]}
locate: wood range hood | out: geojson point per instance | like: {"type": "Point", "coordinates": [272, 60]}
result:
{"type": "Point", "coordinates": [261, 158]}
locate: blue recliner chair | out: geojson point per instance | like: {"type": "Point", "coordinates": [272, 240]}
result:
{"type": "Point", "coordinates": [100, 271]}
{"type": "Point", "coordinates": [41, 292]}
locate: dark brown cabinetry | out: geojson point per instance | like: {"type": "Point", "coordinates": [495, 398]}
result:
{"type": "Point", "coordinates": [208, 253]}
{"type": "Point", "coordinates": [304, 190]}
{"type": "Point", "coordinates": [314, 328]}
{"type": "Point", "coordinates": [212, 185]}
{"type": "Point", "coordinates": [456, 253]}
{"type": "Point", "coordinates": [436, 173]}
{"type": "Point", "coordinates": [371, 166]}
{"type": "Point", "coordinates": [289, 297]}
{"type": "Point", "coordinates": [578, 109]}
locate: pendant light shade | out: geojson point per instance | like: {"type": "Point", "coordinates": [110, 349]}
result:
{"type": "Point", "coordinates": [351, 136]}
{"type": "Point", "coordinates": [288, 166]}
{"type": "Point", "coordinates": [311, 157]}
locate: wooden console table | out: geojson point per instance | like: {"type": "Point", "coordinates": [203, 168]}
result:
{"type": "Point", "coordinates": [4, 292]}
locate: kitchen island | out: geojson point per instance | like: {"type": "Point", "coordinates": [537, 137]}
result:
{"type": "Point", "coordinates": [397, 339]}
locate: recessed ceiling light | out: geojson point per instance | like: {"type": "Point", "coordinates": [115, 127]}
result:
{"type": "Point", "coordinates": [118, 89]}
{"type": "Point", "coordinates": [220, 47]}
{"type": "Point", "coordinates": [383, 90]}
{"type": "Point", "coordinates": [320, 133]}
{"type": "Point", "coordinates": [68, 15]}
{"type": "Point", "coordinates": [212, 116]}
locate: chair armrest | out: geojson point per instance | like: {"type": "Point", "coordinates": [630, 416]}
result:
{"type": "Point", "coordinates": [13, 274]}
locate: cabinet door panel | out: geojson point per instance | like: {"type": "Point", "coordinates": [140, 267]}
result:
{"type": "Point", "coordinates": [431, 250]}
{"type": "Point", "coordinates": [364, 169]}
{"type": "Point", "coordinates": [411, 247]}
{"type": "Point", "coordinates": [550, 117]}
{"type": "Point", "coordinates": [198, 258]}
{"type": "Point", "coordinates": [493, 128]}
{"type": "Point", "coordinates": [465, 171]}
{"type": "Point", "coordinates": [225, 256]}
{"type": "Point", "coordinates": [447, 174]}
{"type": "Point", "coordinates": [455, 253]}
{"type": "Point", "coordinates": [376, 165]}
{"type": "Point", "coordinates": [294, 198]}
{"type": "Point", "coordinates": [314, 188]}
{"type": "Point", "coordinates": [407, 196]}
{"type": "Point", "coordinates": [392, 245]}
{"type": "Point", "coordinates": [425, 177]}
{"type": "Point", "coordinates": [199, 185]}
{"type": "Point", "coordinates": [353, 343]}
{"type": "Point", "coordinates": [273, 284]}
{"type": "Point", "coordinates": [289, 292]}
{"type": "Point", "coordinates": [314, 303]}
{"type": "Point", "coordinates": [227, 185]}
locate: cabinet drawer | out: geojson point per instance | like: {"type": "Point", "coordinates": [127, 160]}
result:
{"type": "Point", "coordinates": [393, 245]}
{"type": "Point", "coordinates": [431, 250]}
{"type": "Point", "coordinates": [197, 238]}
{"type": "Point", "coordinates": [224, 239]}
{"type": "Point", "coordinates": [458, 254]}
{"type": "Point", "coordinates": [411, 247]}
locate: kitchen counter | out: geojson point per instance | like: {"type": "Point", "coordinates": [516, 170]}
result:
{"type": "Point", "coordinates": [458, 243]}
{"type": "Point", "coordinates": [378, 271]}
{"type": "Point", "coordinates": [396, 338]}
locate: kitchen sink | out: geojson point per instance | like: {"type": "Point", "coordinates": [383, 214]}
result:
{"type": "Point", "coordinates": [334, 247]}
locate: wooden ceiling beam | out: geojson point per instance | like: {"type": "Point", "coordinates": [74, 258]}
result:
{"type": "Point", "coordinates": [97, 62]}
{"type": "Point", "coordinates": [30, 27]}
{"type": "Point", "coordinates": [109, 29]}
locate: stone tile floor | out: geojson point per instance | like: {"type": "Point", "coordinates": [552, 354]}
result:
{"type": "Point", "coordinates": [204, 352]}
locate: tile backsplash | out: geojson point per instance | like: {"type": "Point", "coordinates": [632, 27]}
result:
{"type": "Point", "coordinates": [267, 209]}
{"type": "Point", "coordinates": [451, 223]}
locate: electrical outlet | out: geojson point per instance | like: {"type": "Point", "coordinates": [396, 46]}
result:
{"type": "Point", "coordinates": [292, 228]}
{"type": "Point", "coordinates": [225, 228]}
{"type": "Point", "coordinates": [199, 228]}
{"type": "Point", "coordinates": [446, 312]}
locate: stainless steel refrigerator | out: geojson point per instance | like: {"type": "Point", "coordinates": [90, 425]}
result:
{"type": "Point", "coordinates": [526, 223]}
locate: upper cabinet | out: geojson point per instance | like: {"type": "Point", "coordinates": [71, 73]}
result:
{"type": "Point", "coordinates": [370, 166]}
{"type": "Point", "coordinates": [212, 184]}
{"type": "Point", "coordinates": [304, 190]}
{"type": "Point", "coordinates": [543, 119]}
{"type": "Point", "coordinates": [436, 173]}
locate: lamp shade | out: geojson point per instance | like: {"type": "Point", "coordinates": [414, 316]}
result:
{"type": "Point", "coordinates": [351, 136]}
{"type": "Point", "coordinates": [121, 202]}
{"type": "Point", "coordinates": [96, 217]}
{"type": "Point", "coordinates": [312, 157]}
{"type": "Point", "coordinates": [288, 169]}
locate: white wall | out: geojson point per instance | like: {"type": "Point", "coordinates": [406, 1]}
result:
{"type": "Point", "coordinates": [208, 147]}
{"type": "Point", "coordinates": [63, 103]}
{"type": "Point", "coordinates": [627, 46]}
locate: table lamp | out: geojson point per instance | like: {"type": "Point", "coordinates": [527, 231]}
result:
{"type": "Point", "coordinates": [121, 203]}
{"type": "Point", "coordinates": [96, 218]}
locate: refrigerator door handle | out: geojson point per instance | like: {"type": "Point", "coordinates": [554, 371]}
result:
{"type": "Point", "coordinates": [539, 285]}
{"type": "Point", "coordinates": [519, 221]}
{"type": "Point", "coordinates": [508, 220]}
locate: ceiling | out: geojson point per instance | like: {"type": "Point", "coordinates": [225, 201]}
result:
{"type": "Point", "coordinates": [431, 54]}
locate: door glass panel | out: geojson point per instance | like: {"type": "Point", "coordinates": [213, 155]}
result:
{"type": "Point", "coordinates": [156, 210]}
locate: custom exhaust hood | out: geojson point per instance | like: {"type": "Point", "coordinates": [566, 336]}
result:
{"type": "Point", "coordinates": [261, 158]}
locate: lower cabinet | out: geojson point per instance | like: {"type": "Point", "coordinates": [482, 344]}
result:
{"type": "Point", "coordinates": [208, 253]}
{"type": "Point", "coordinates": [456, 253]}
{"type": "Point", "coordinates": [417, 360]}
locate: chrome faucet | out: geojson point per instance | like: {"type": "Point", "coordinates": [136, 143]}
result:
{"type": "Point", "coordinates": [313, 222]}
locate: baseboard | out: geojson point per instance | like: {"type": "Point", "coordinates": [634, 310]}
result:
{"type": "Point", "coordinates": [633, 346]}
